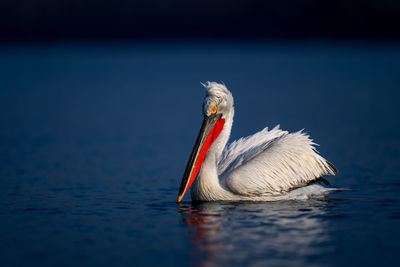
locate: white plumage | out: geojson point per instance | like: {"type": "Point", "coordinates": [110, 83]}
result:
{"type": "Point", "coordinates": [269, 165]}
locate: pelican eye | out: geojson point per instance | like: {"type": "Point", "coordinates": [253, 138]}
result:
{"type": "Point", "coordinates": [214, 109]}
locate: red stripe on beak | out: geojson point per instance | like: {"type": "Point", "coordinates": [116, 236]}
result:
{"type": "Point", "coordinates": [209, 141]}
{"type": "Point", "coordinates": [206, 138]}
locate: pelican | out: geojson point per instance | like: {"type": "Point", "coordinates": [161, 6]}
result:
{"type": "Point", "coordinates": [267, 166]}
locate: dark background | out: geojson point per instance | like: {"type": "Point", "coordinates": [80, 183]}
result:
{"type": "Point", "coordinates": [60, 20]}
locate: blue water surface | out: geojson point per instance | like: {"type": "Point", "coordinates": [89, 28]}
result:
{"type": "Point", "coordinates": [94, 139]}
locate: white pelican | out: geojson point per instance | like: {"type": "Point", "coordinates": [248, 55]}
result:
{"type": "Point", "coordinates": [267, 166]}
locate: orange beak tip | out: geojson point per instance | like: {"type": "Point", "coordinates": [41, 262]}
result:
{"type": "Point", "coordinates": [180, 199]}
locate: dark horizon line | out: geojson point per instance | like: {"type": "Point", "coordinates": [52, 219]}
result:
{"type": "Point", "coordinates": [210, 38]}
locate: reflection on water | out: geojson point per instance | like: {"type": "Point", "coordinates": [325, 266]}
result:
{"type": "Point", "coordinates": [281, 233]}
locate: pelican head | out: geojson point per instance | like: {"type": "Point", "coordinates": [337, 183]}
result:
{"type": "Point", "coordinates": [217, 108]}
{"type": "Point", "coordinates": [219, 97]}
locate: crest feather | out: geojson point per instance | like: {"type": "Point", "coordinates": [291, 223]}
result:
{"type": "Point", "coordinates": [217, 90]}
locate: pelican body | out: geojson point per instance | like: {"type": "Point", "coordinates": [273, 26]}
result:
{"type": "Point", "coordinates": [267, 166]}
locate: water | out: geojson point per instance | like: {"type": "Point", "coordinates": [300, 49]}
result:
{"type": "Point", "coordinates": [94, 140]}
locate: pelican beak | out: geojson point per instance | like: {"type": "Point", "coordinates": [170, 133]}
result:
{"type": "Point", "coordinates": [210, 129]}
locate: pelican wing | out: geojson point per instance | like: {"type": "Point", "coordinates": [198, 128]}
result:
{"type": "Point", "coordinates": [271, 163]}
{"type": "Point", "coordinates": [246, 148]}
